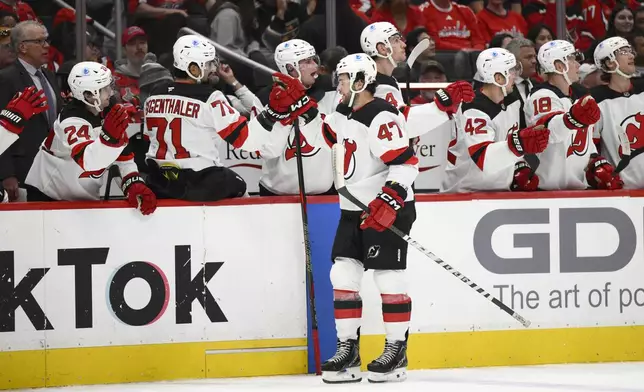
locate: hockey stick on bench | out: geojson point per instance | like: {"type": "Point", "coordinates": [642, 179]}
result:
{"type": "Point", "coordinates": [338, 175]}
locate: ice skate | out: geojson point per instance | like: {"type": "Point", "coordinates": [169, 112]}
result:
{"type": "Point", "coordinates": [391, 365]}
{"type": "Point", "coordinates": [344, 366]}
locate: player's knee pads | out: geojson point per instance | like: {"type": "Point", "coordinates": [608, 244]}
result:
{"type": "Point", "coordinates": [391, 281]}
{"type": "Point", "coordinates": [346, 274]}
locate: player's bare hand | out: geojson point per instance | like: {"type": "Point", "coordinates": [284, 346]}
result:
{"type": "Point", "coordinates": [226, 73]}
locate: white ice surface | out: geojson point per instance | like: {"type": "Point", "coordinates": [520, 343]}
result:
{"type": "Point", "coordinates": [611, 377]}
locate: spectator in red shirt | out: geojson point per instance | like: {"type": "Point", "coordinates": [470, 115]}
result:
{"type": "Point", "coordinates": [545, 12]}
{"type": "Point", "coordinates": [495, 19]}
{"type": "Point", "coordinates": [127, 71]}
{"type": "Point", "coordinates": [452, 26]}
{"type": "Point", "coordinates": [19, 8]}
{"type": "Point", "coordinates": [363, 8]}
{"type": "Point", "coordinates": [594, 24]}
{"type": "Point", "coordinates": [399, 13]}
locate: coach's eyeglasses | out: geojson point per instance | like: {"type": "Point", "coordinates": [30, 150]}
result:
{"type": "Point", "coordinates": [4, 33]}
{"type": "Point", "coordinates": [40, 42]}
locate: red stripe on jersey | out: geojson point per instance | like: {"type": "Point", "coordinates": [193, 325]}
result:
{"type": "Point", "coordinates": [49, 140]}
{"type": "Point", "coordinates": [347, 313]}
{"type": "Point", "coordinates": [401, 156]}
{"type": "Point", "coordinates": [451, 158]}
{"type": "Point", "coordinates": [124, 158]}
{"type": "Point", "coordinates": [405, 110]}
{"type": "Point", "coordinates": [546, 119]}
{"type": "Point", "coordinates": [477, 152]}
{"type": "Point", "coordinates": [236, 133]}
{"type": "Point", "coordinates": [330, 137]}
{"type": "Point", "coordinates": [78, 151]}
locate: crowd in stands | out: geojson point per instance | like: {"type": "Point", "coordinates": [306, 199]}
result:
{"type": "Point", "coordinates": [458, 32]}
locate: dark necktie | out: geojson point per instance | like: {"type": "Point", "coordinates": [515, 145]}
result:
{"type": "Point", "coordinates": [51, 112]}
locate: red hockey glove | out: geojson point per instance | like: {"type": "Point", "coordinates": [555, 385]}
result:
{"type": "Point", "coordinates": [601, 175]}
{"type": "Point", "coordinates": [448, 99]}
{"type": "Point", "coordinates": [583, 113]}
{"type": "Point", "coordinates": [293, 98]}
{"type": "Point", "coordinates": [524, 178]}
{"type": "Point", "coordinates": [529, 140]}
{"type": "Point", "coordinates": [115, 124]}
{"type": "Point", "coordinates": [138, 194]}
{"type": "Point", "coordinates": [21, 108]}
{"type": "Point", "coordinates": [383, 209]}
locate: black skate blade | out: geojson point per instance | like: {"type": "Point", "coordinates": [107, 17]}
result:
{"type": "Point", "coordinates": [342, 381]}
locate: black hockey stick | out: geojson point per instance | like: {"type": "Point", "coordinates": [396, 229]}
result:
{"type": "Point", "coordinates": [338, 175]}
{"type": "Point", "coordinates": [307, 247]}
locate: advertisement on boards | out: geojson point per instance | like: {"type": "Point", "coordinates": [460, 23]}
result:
{"type": "Point", "coordinates": [559, 262]}
{"type": "Point", "coordinates": [80, 278]}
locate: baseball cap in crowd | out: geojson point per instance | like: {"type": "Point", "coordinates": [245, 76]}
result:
{"type": "Point", "coordinates": [432, 65]}
{"type": "Point", "coordinates": [132, 32]}
{"type": "Point", "coordinates": [585, 70]}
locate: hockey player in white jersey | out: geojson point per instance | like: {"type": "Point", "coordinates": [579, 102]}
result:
{"type": "Point", "coordinates": [384, 43]}
{"type": "Point", "coordinates": [297, 85]}
{"type": "Point", "coordinates": [621, 124]}
{"type": "Point", "coordinates": [386, 46]}
{"type": "Point", "coordinates": [570, 161]}
{"type": "Point", "coordinates": [489, 147]}
{"type": "Point", "coordinates": [379, 167]}
{"type": "Point", "coordinates": [83, 143]}
{"type": "Point", "coordinates": [13, 117]}
{"type": "Point", "coordinates": [187, 119]}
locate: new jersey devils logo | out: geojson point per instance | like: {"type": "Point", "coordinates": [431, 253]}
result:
{"type": "Point", "coordinates": [632, 125]}
{"type": "Point", "coordinates": [307, 149]}
{"type": "Point", "coordinates": [350, 148]}
{"type": "Point", "coordinates": [92, 174]}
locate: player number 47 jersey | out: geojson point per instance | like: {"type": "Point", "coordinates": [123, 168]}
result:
{"type": "Point", "coordinates": [564, 161]}
{"type": "Point", "coordinates": [376, 150]}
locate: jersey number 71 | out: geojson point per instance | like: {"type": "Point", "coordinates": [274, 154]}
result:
{"type": "Point", "coordinates": [161, 125]}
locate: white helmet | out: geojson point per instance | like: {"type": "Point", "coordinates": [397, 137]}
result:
{"type": "Point", "coordinates": [557, 50]}
{"type": "Point", "coordinates": [496, 61]}
{"type": "Point", "coordinates": [606, 51]}
{"type": "Point", "coordinates": [291, 52]}
{"type": "Point", "coordinates": [354, 64]}
{"type": "Point", "coordinates": [194, 49]}
{"type": "Point", "coordinates": [89, 76]}
{"type": "Point", "coordinates": [377, 33]}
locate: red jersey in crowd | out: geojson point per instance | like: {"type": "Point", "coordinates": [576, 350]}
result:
{"type": "Point", "coordinates": [593, 27]}
{"type": "Point", "coordinates": [363, 8]}
{"type": "Point", "coordinates": [22, 9]}
{"type": "Point", "coordinates": [491, 24]}
{"type": "Point", "coordinates": [452, 28]}
{"type": "Point", "coordinates": [537, 11]}
{"type": "Point", "coordinates": [414, 18]}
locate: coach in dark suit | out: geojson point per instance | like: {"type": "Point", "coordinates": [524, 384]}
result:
{"type": "Point", "coordinates": [30, 42]}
